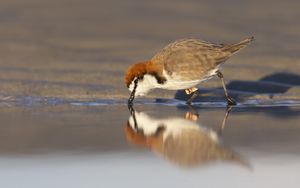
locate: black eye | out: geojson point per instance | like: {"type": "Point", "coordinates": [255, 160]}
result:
{"type": "Point", "coordinates": [138, 78]}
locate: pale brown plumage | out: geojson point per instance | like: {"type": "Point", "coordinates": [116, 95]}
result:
{"type": "Point", "coordinates": [192, 59]}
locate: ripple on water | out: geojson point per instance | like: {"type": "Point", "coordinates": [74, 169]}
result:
{"type": "Point", "coordinates": [38, 101]}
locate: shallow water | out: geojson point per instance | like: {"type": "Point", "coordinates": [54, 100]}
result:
{"type": "Point", "coordinates": [90, 144]}
{"type": "Point", "coordinates": [63, 111]}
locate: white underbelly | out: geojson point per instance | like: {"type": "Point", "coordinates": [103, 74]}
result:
{"type": "Point", "coordinates": [175, 83]}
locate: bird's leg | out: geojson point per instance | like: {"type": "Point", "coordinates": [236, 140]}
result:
{"type": "Point", "coordinates": [230, 101]}
{"type": "Point", "coordinates": [222, 127]}
{"type": "Point", "coordinates": [192, 91]}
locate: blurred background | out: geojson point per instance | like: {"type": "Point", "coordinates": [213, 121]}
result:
{"type": "Point", "coordinates": [81, 48]}
{"type": "Point", "coordinates": [61, 60]}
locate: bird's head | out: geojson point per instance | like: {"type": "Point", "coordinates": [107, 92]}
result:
{"type": "Point", "coordinates": [138, 80]}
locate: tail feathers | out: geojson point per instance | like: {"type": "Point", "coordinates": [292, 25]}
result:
{"type": "Point", "coordinates": [233, 48]}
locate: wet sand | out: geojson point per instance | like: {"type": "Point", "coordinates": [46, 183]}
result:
{"type": "Point", "coordinates": [81, 49]}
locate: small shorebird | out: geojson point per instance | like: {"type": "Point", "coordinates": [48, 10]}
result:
{"type": "Point", "coordinates": [183, 64]}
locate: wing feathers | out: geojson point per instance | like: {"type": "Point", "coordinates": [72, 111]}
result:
{"type": "Point", "coordinates": [193, 59]}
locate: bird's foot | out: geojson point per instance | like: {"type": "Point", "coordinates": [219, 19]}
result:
{"type": "Point", "coordinates": [191, 90]}
{"type": "Point", "coordinates": [230, 101]}
{"type": "Point", "coordinates": [189, 102]}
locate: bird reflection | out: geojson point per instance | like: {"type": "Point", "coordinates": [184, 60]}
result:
{"type": "Point", "coordinates": [180, 140]}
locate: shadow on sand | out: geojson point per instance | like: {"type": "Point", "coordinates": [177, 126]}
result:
{"type": "Point", "coordinates": [277, 83]}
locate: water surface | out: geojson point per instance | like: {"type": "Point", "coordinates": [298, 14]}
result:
{"type": "Point", "coordinates": [72, 145]}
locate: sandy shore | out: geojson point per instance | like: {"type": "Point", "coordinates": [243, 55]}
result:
{"type": "Point", "coordinates": [81, 49]}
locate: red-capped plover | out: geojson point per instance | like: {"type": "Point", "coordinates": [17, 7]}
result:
{"type": "Point", "coordinates": [183, 64]}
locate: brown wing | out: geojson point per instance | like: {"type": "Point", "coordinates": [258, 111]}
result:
{"type": "Point", "coordinates": [190, 59]}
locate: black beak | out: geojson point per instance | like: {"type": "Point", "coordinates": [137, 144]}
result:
{"type": "Point", "coordinates": [132, 95]}
{"type": "Point", "coordinates": [132, 113]}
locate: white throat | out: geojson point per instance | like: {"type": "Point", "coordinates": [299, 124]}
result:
{"type": "Point", "coordinates": [144, 85]}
